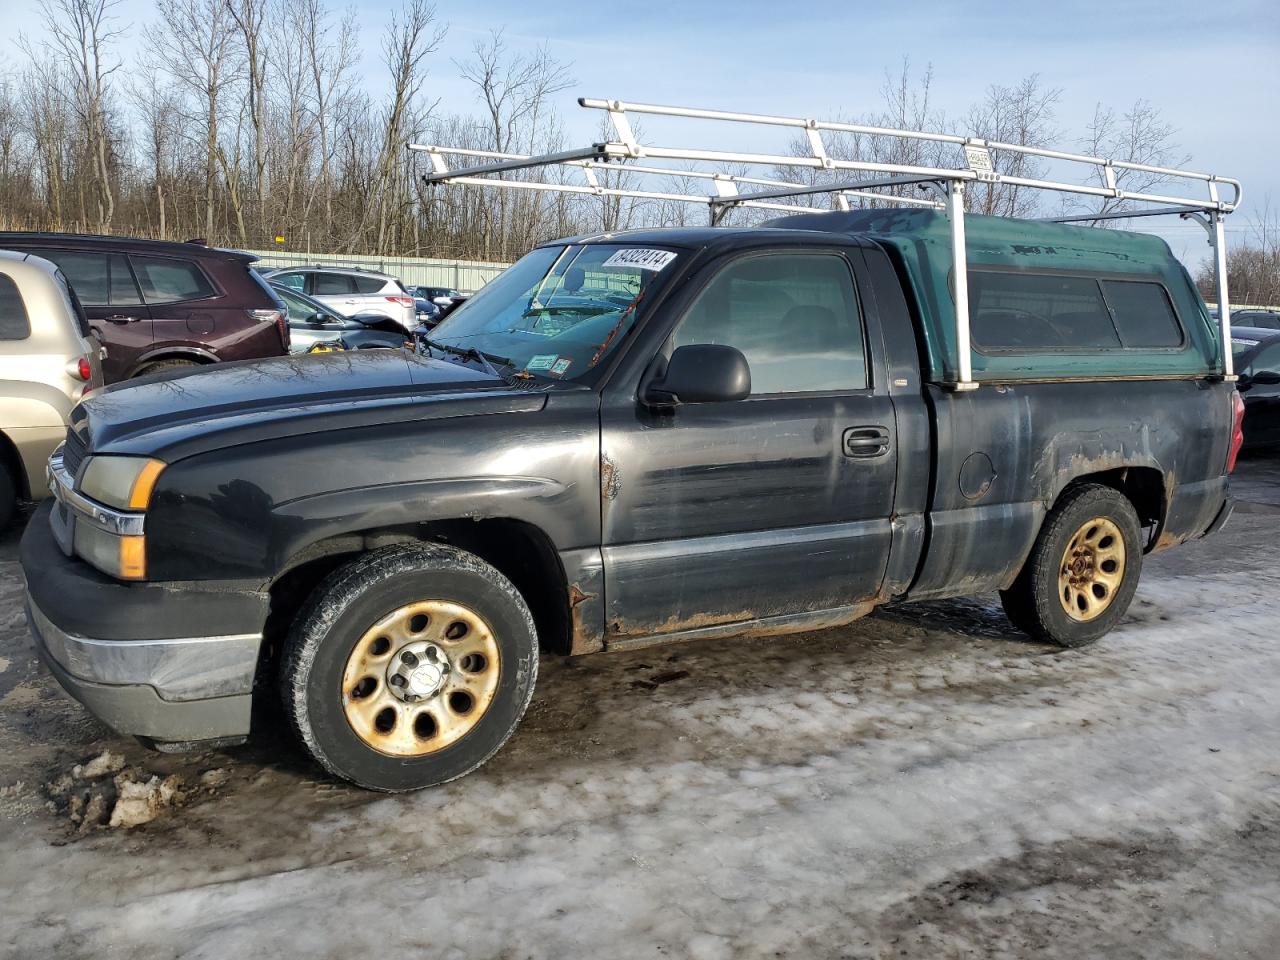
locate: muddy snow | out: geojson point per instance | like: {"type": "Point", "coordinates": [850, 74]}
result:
{"type": "Point", "coordinates": [923, 783]}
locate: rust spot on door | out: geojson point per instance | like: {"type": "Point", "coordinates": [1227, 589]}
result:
{"type": "Point", "coordinates": [610, 478]}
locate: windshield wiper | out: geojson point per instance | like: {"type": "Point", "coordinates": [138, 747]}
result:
{"type": "Point", "coordinates": [486, 360]}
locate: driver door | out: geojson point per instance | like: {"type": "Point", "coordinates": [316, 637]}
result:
{"type": "Point", "coordinates": [771, 508]}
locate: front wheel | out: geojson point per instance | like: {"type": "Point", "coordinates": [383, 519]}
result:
{"type": "Point", "coordinates": [1083, 570]}
{"type": "Point", "coordinates": [409, 667]}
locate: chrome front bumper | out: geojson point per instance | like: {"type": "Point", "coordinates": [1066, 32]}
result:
{"type": "Point", "coordinates": [167, 691]}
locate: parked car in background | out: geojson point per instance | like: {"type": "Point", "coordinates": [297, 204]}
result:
{"type": "Point", "coordinates": [428, 313]}
{"type": "Point", "coordinates": [352, 291]}
{"type": "Point", "coordinates": [1257, 319]}
{"type": "Point", "coordinates": [157, 305]}
{"type": "Point", "coordinates": [312, 322]}
{"type": "Point", "coordinates": [48, 361]}
{"type": "Point", "coordinates": [446, 298]}
{"type": "Point", "coordinates": [1257, 356]}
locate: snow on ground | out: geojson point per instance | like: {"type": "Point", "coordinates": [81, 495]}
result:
{"type": "Point", "coordinates": [919, 784]}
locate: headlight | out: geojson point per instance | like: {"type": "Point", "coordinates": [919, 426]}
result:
{"type": "Point", "coordinates": [121, 482]}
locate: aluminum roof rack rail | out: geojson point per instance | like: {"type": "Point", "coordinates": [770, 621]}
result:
{"type": "Point", "coordinates": [947, 185]}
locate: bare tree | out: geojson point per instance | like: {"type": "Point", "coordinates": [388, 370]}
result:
{"type": "Point", "coordinates": [45, 113]}
{"type": "Point", "coordinates": [81, 33]}
{"type": "Point", "coordinates": [249, 17]}
{"type": "Point", "coordinates": [1022, 115]}
{"type": "Point", "coordinates": [1139, 135]}
{"type": "Point", "coordinates": [158, 108]}
{"type": "Point", "coordinates": [410, 37]}
{"type": "Point", "coordinates": [194, 41]}
{"type": "Point", "coordinates": [329, 61]}
{"type": "Point", "coordinates": [515, 92]}
{"type": "Point", "coordinates": [1253, 266]}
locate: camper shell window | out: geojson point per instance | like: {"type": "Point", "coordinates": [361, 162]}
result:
{"type": "Point", "coordinates": [1031, 312]}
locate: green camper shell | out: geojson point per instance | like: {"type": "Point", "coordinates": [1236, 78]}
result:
{"type": "Point", "coordinates": [919, 243]}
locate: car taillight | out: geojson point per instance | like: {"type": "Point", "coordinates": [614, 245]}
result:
{"type": "Point", "coordinates": [1237, 429]}
{"type": "Point", "coordinates": [83, 369]}
{"type": "Point", "coordinates": [279, 318]}
{"type": "Point", "coordinates": [403, 301]}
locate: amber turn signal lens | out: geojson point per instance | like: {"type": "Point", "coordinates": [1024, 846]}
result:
{"type": "Point", "coordinates": [133, 558]}
{"type": "Point", "coordinates": [140, 495]}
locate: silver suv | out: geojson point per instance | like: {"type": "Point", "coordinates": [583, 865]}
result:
{"type": "Point", "coordinates": [351, 291]}
{"type": "Point", "coordinates": [48, 361]}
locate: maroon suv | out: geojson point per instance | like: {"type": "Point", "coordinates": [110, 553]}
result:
{"type": "Point", "coordinates": [157, 305]}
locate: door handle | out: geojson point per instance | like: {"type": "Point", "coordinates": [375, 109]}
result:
{"type": "Point", "coordinates": [865, 442]}
{"type": "Point", "coordinates": [121, 318]}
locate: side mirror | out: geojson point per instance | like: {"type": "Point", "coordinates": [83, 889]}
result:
{"type": "Point", "coordinates": [1266, 377]}
{"type": "Point", "coordinates": [318, 319]}
{"type": "Point", "coordinates": [702, 373]}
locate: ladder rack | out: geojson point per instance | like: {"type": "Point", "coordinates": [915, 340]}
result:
{"type": "Point", "coordinates": [976, 164]}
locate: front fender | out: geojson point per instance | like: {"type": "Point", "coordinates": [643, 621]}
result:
{"type": "Point", "coordinates": [302, 524]}
{"type": "Point", "coordinates": [251, 510]}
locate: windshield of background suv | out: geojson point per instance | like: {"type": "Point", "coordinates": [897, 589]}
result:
{"type": "Point", "coordinates": [558, 311]}
{"type": "Point", "coordinates": [301, 307]}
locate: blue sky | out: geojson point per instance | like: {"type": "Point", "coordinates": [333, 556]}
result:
{"type": "Point", "coordinates": [1212, 69]}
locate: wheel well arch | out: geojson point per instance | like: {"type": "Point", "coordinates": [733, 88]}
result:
{"type": "Point", "coordinates": [171, 353]}
{"type": "Point", "coordinates": [1143, 486]}
{"type": "Point", "coordinates": [519, 550]}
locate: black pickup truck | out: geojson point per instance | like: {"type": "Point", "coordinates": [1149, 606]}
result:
{"type": "Point", "coordinates": [623, 440]}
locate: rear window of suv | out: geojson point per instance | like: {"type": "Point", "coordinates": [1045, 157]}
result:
{"type": "Point", "coordinates": [1024, 312]}
{"type": "Point", "coordinates": [167, 281]}
{"type": "Point", "coordinates": [331, 284]}
{"type": "Point", "coordinates": [369, 284]}
{"type": "Point", "coordinates": [14, 322]}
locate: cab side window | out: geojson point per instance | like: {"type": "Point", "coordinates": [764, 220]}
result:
{"type": "Point", "coordinates": [14, 322]}
{"type": "Point", "coordinates": [794, 316]}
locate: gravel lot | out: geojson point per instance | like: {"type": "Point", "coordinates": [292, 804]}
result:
{"type": "Point", "coordinates": [923, 784]}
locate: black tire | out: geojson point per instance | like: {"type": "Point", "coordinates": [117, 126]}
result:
{"type": "Point", "coordinates": [8, 495]}
{"type": "Point", "coordinates": [167, 366]}
{"type": "Point", "coordinates": [343, 609]}
{"type": "Point", "coordinates": [1033, 603]}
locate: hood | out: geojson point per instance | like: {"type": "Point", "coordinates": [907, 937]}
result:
{"type": "Point", "coordinates": [178, 414]}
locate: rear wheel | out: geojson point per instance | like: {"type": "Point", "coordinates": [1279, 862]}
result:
{"type": "Point", "coordinates": [1083, 570]}
{"type": "Point", "coordinates": [8, 495]}
{"type": "Point", "coordinates": [409, 667]}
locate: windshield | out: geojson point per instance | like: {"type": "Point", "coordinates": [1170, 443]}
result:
{"type": "Point", "coordinates": [1241, 346]}
{"type": "Point", "coordinates": [301, 308]}
{"type": "Point", "coordinates": [559, 311]}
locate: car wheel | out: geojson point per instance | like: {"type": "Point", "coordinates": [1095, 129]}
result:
{"type": "Point", "coordinates": [1083, 570]}
{"type": "Point", "coordinates": [409, 667]}
{"type": "Point", "coordinates": [8, 495]}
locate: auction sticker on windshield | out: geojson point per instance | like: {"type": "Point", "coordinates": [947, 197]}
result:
{"type": "Point", "coordinates": [640, 259]}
